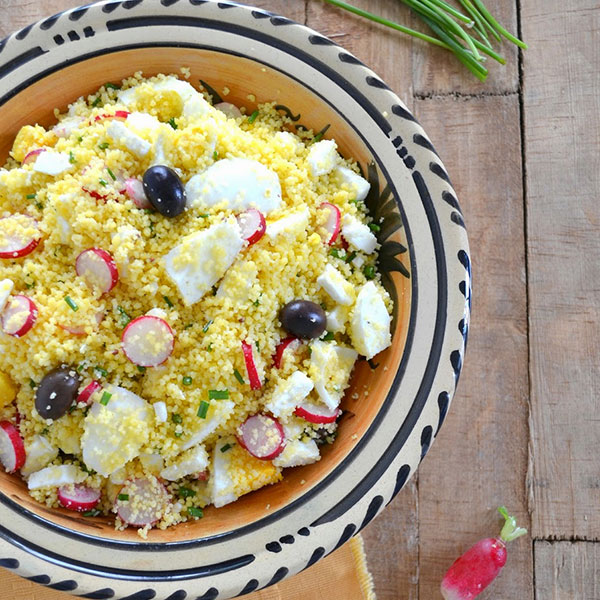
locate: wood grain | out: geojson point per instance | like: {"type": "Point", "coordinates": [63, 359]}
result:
{"type": "Point", "coordinates": [480, 458]}
{"type": "Point", "coordinates": [567, 571]}
{"type": "Point", "coordinates": [562, 129]}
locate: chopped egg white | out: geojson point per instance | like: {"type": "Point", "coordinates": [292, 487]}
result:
{"type": "Point", "coordinates": [330, 369]}
{"type": "Point", "coordinates": [297, 453]}
{"type": "Point", "coordinates": [289, 393]}
{"type": "Point", "coordinates": [334, 283]}
{"type": "Point", "coordinates": [290, 226]}
{"type": "Point", "coordinates": [55, 477]}
{"type": "Point", "coordinates": [120, 133]}
{"type": "Point", "coordinates": [6, 287]}
{"type": "Point", "coordinates": [358, 234]}
{"type": "Point", "coordinates": [322, 157]}
{"type": "Point", "coordinates": [39, 452]}
{"type": "Point", "coordinates": [160, 411]}
{"type": "Point", "coordinates": [52, 163]}
{"type": "Point", "coordinates": [193, 461]}
{"type": "Point", "coordinates": [357, 183]}
{"type": "Point", "coordinates": [218, 412]}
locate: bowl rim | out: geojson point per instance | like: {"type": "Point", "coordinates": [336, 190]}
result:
{"type": "Point", "coordinates": [420, 139]}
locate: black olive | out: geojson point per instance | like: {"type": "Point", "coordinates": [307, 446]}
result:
{"type": "Point", "coordinates": [303, 318]}
{"type": "Point", "coordinates": [56, 392]}
{"type": "Point", "coordinates": [164, 190]}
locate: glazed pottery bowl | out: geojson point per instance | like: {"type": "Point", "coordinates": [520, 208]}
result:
{"type": "Point", "coordinates": [395, 406]}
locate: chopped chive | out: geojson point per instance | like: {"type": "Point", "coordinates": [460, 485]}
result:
{"type": "Point", "coordinates": [168, 301]}
{"type": "Point", "coordinates": [32, 384]}
{"type": "Point", "coordinates": [350, 257]}
{"type": "Point", "coordinates": [203, 216]}
{"type": "Point", "coordinates": [318, 137]}
{"type": "Point", "coordinates": [209, 347]}
{"type": "Point", "coordinates": [176, 418]}
{"type": "Point", "coordinates": [124, 317]}
{"type": "Point", "coordinates": [102, 371]}
{"type": "Point", "coordinates": [30, 196]}
{"type": "Point", "coordinates": [80, 139]}
{"type": "Point", "coordinates": [123, 497]}
{"type": "Point", "coordinates": [112, 175]}
{"type": "Point", "coordinates": [91, 513]}
{"type": "Point", "coordinates": [103, 182]}
{"type": "Point", "coordinates": [189, 325]}
{"type": "Point", "coordinates": [97, 102]}
{"type": "Point", "coordinates": [369, 271]}
{"type": "Point", "coordinates": [328, 336]}
{"type": "Point", "coordinates": [141, 369]}
{"type": "Point", "coordinates": [215, 155]}
{"type": "Point", "coordinates": [106, 396]}
{"type": "Point", "coordinates": [372, 364]}
{"type": "Point", "coordinates": [81, 367]}
{"type": "Point", "coordinates": [71, 304]}
{"type": "Point", "coordinates": [226, 447]}
{"type": "Point", "coordinates": [194, 511]}
{"type": "Point", "coordinates": [185, 492]}
{"type": "Point", "coordinates": [238, 376]}
{"type": "Point", "coordinates": [172, 123]}
{"type": "Point", "coordinates": [103, 145]}
{"type": "Point", "coordinates": [178, 434]}
{"type": "Point", "coordinates": [203, 409]}
{"type": "Point", "coordinates": [39, 205]}
{"type": "Point", "coordinates": [218, 394]}
{"type": "Point", "coordinates": [30, 285]}
{"type": "Point", "coordinates": [256, 302]}
{"type": "Point", "coordinates": [112, 86]}
{"type": "Point", "coordinates": [45, 431]}
{"type": "Point", "coordinates": [208, 324]}
{"type": "Point", "coordinates": [335, 252]}
{"type": "Point", "coordinates": [71, 157]}
{"type": "Point", "coordinates": [252, 117]}
{"type": "Point", "coordinates": [374, 227]}
{"type": "Point", "coordinates": [187, 380]}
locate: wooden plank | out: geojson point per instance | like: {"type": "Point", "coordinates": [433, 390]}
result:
{"type": "Point", "coordinates": [293, 9]}
{"type": "Point", "coordinates": [437, 71]}
{"type": "Point", "coordinates": [562, 128]}
{"type": "Point", "coordinates": [480, 459]}
{"type": "Point", "coordinates": [16, 14]}
{"type": "Point", "coordinates": [567, 571]}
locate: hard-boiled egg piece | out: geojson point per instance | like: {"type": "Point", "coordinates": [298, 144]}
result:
{"type": "Point", "coordinates": [39, 452]}
{"type": "Point", "coordinates": [290, 226]}
{"type": "Point", "coordinates": [193, 461]}
{"type": "Point", "coordinates": [322, 157]}
{"type": "Point", "coordinates": [289, 393]}
{"type": "Point", "coordinates": [358, 235]}
{"type": "Point", "coordinates": [359, 185]}
{"type": "Point", "coordinates": [336, 285]}
{"type": "Point", "coordinates": [55, 477]}
{"type": "Point", "coordinates": [218, 412]}
{"type": "Point", "coordinates": [52, 163]}
{"type": "Point", "coordinates": [121, 134]}
{"type": "Point", "coordinates": [6, 287]}
{"type": "Point", "coordinates": [298, 452]}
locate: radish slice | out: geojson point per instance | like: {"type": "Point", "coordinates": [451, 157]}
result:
{"type": "Point", "coordinates": [119, 114]}
{"type": "Point", "coordinates": [317, 413]}
{"type": "Point", "coordinates": [67, 126]}
{"type": "Point", "coordinates": [78, 497]}
{"type": "Point", "coordinates": [255, 383]}
{"type": "Point", "coordinates": [98, 269]}
{"type": "Point", "coordinates": [31, 156]}
{"type": "Point", "coordinates": [19, 236]}
{"type": "Point", "coordinates": [230, 110]}
{"type": "Point", "coordinates": [145, 502]}
{"type": "Point", "coordinates": [202, 476]}
{"type": "Point", "coordinates": [95, 195]}
{"type": "Point", "coordinates": [148, 341]}
{"type": "Point", "coordinates": [88, 391]}
{"type": "Point", "coordinates": [134, 188]}
{"type": "Point", "coordinates": [289, 342]}
{"type": "Point", "coordinates": [19, 316]}
{"type": "Point", "coordinates": [332, 224]}
{"type": "Point", "coordinates": [252, 225]}
{"type": "Point", "coordinates": [262, 436]}
{"type": "Point", "coordinates": [12, 448]}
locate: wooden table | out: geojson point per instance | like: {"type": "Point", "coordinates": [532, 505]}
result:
{"type": "Point", "coordinates": [524, 429]}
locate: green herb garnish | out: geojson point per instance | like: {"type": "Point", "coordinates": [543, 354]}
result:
{"type": "Point", "coordinates": [178, 434]}
{"type": "Point", "coordinates": [106, 396]}
{"type": "Point", "coordinates": [32, 384]}
{"type": "Point", "coordinates": [194, 511]}
{"type": "Point", "coordinates": [203, 216]}
{"type": "Point", "coordinates": [168, 301]}
{"type": "Point", "coordinates": [102, 371]}
{"type": "Point", "coordinates": [203, 409]}
{"type": "Point", "coordinates": [30, 285]}
{"type": "Point", "coordinates": [369, 272]}
{"type": "Point", "coordinates": [112, 86]}
{"type": "Point", "coordinates": [189, 325]}
{"type": "Point", "coordinates": [72, 159]}
{"type": "Point", "coordinates": [92, 513]}
{"type": "Point", "coordinates": [103, 145]}
{"type": "Point", "coordinates": [208, 324]}
{"type": "Point", "coordinates": [374, 227]}
{"type": "Point", "coordinates": [112, 175]}
{"type": "Point", "coordinates": [97, 102]}
{"type": "Point", "coordinates": [124, 318]}
{"type": "Point", "coordinates": [215, 155]}
{"type": "Point", "coordinates": [238, 376]}
{"type": "Point", "coordinates": [335, 252]}
{"type": "Point", "coordinates": [71, 304]}
{"type": "Point", "coordinates": [172, 123]}
{"type": "Point", "coordinates": [185, 492]}
{"type": "Point", "coordinates": [141, 369]}
{"type": "Point", "coordinates": [176, 418]}
{"type": "Point", "coordinates": [328, 336]}
{"type": "Point", "coordinates": [30, 196]}
{"type": "Point", "coordinates": [103, 182]}
{"type": "Point", "coordinates": [39, 206]}
{"type": "Point", "coordinates": [123, 497]}
{"type": "Point", "coordinates": [80, 139]}
{"type": "Point", "coordinates": [350, 257]}
{"type": "Point", "coordinates": [209, 348]}
{"type": "Point", "coordinates": [252, 117]}
{"type": "Point", "coordinates": [226, 447]}
{"type": "Point", "coordinates": [218, 394]}
{"type": "Point", "coordinates": [187, 380]}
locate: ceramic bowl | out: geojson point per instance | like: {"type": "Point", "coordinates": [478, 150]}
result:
{"type": "Point", "coordinates": [392, 412]}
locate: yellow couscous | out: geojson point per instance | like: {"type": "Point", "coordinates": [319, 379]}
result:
{"type": "Point", "coordinates": [184, 291]}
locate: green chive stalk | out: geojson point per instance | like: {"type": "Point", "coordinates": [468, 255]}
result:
{"type": "Point", "coordinates": [454, 30]}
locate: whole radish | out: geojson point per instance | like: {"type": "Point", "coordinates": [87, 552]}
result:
{"type": "Point", "coordinates": [470, 574]}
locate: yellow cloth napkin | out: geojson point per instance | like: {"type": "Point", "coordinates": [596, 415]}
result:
{"type": "Point", "coordinates": [343, 574]}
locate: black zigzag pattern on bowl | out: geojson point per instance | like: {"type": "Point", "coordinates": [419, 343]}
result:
{"type": "Point", "coordinates": [103, 594]}
{"type": "Point", "coordinates": [372, 511]}
{"type": "Point", "coordinates": [426, 437]}
{"type": "Point", "coordinates": [146, 594]}
{"type": "Point", "coordinates": [316, 556]}
{"type": "Point", "coordinates": [248, 588]}
{"type": "Point", "coordinates": [210, 594]}
{"type": "Point", "coordinates": [64, 586]}
{"type": "Point", "coordinates": [443, 404]}
{"type": "Point", "coordinates": [178, 595]}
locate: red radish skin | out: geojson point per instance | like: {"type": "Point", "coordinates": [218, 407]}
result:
{"type": "Point", "coordinates": [314, 413]}
{"type": "Point", "coordinates": [78, 497]}
{"type": "Point", "coordinates": [255, 383]}
{"type": "Point", "coordinates": [262, 436]}
{"type": "Point", "coordinates": [202, 476]}
{"type": "Point", "coordinates": [134, 189]}
{"type": "Point", "coordinates": [85, 396]}
{"type": "Point", "coordinates": [14, 243]}
{"type": "Point", "coordinates": [333, 223]}
{"type": "Point", "coordinates": [470, 574]}
{"type": "Point", "coordinates": [145, 505]}
{"type": "Point", "coordinates": [290, 342]}
{"type": "Point", "coordinates": [119, 114]}
{"type": "Point", "coordinates": [148, 341]}
{"type": "Point", "coordinates": [32, 156]}
{"type": "Point", "coordinates": [98, 269]}
{"type": "Point", "coordinates": [19, 316]}
{"type": "Point", "coordinates": [253, 225]}
{"type": "Point", "coordinates": [12, 448]}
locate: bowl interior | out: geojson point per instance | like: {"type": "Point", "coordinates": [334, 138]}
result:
{"type": "Point", "coordinates": [249, 83]}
